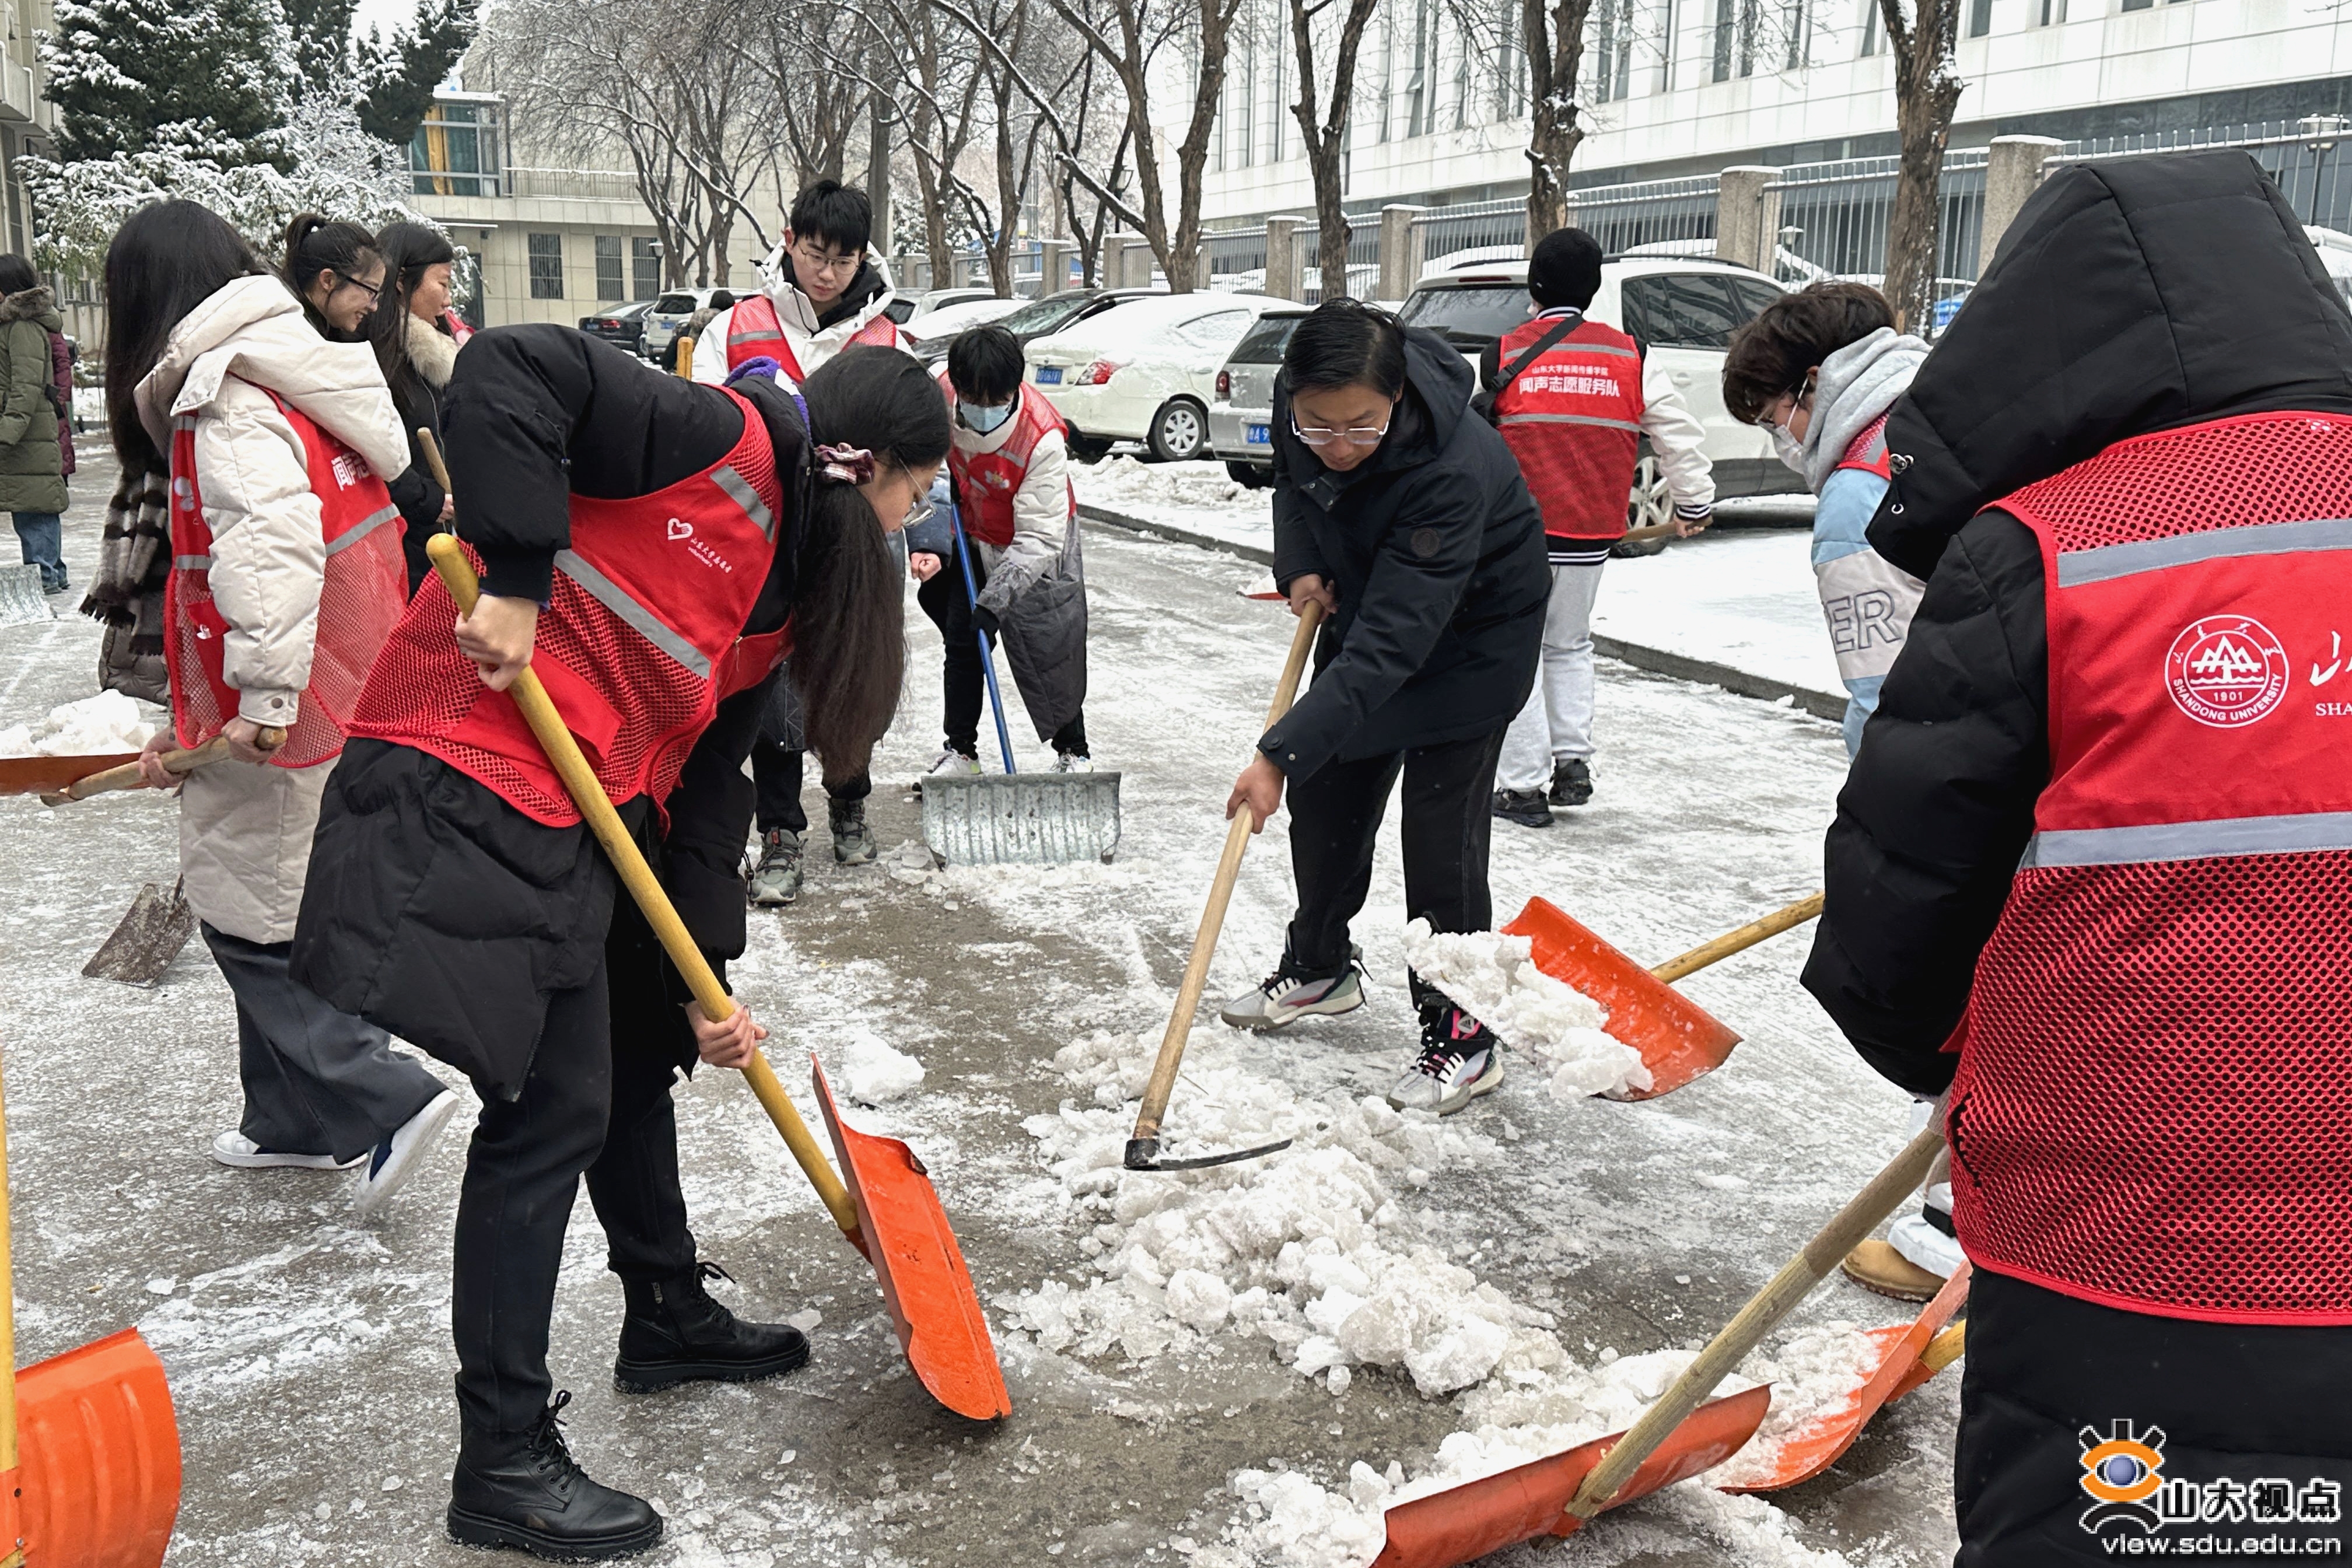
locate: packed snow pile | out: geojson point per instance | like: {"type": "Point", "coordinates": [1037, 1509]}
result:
{"type": "Point", "coordinates": [1491, 977]}
{"type": "Point", "coordinates": [95, 726]}
{"type": "Point", "coordinates": [874, 1074]}
{"type": "Point", "coordinates": [1124, 485]}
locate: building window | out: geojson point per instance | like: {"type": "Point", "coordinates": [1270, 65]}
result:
{"type": "Point", "coordinates": [1799, 41]}
{"type": "Point", "coordinates": [1747, 27]}
{"type": "Point", "coordinates": [546, 265]}
{"type": "Point", "coordinates": [2139, 5]}
{"type": "Point", "coordinates": [645, 261]}
{"type": "Point", "coordinates": [455, 153]}
{"type": "Point", "coordinates": [2047, 12]}
{"type": "Point", "coordinates": [1723, 31]}
{"type": "Point", "coordinates": [1869, 27]}
{"type": "Point", "coordinates": [1980, 17]}
{"type": "Point", "coordinates": [608, 268]}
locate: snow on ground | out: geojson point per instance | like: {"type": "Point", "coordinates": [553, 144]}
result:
{"type": "Point", "coordinates": [107, 722]}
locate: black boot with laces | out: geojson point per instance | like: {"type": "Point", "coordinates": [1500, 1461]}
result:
{"type": "Point", "coordinates": [524, 1489]}
{"type": "Point", "coordinates": [676, 1333]}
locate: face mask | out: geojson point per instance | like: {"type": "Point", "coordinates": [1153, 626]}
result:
{"type": "Point", "coordinates": [1788, 448]}
{"type": "Point", "coordinates": [982, 419]}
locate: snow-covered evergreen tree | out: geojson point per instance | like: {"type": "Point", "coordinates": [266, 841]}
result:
{"type": "Point", "coordinates": [120, 71]}
{"type": "Point", "coordinates": [322, 41]}
{"type": "Point", "coordinates": [399, 73]}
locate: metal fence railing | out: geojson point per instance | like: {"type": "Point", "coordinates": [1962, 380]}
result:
{"type": "Point", "coordinates": [1650, 213]}
{"type": "Point", "coordinates": [1236, 257]}
{"type": "Point", "coordinates": [2306, 157]}
{"type": "Point", "coordinates": [1491, 227]}
{"type": "Point", "coordinates": [1363, 258]}
{"type": "Point", "coordinates": [1833, 219]}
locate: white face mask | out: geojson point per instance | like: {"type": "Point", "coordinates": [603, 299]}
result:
{"type": "Point", "coordinates": [982, 417]}
{"type": "Point", "coordinates": [1788, 448]}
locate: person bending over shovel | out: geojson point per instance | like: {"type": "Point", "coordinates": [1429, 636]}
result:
{"type": "Point", "coordinates": [1406, 519]}
{"type": "Point", "coordinates": [650, 547]}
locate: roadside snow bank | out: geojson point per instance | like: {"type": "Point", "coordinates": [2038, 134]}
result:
{"type": "Point", "coordinates": [1123, 484]}
{"type": "Point", "coordinates": [1491, 977]}
{"type": "Point", "coordinates": [95, 726]}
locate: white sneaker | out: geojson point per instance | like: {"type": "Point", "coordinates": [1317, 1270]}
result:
{"type": "Point", "coordinates": [397, 1157]}
{"type": "Point", "coordinates": [1922, 1242]}
{"type": "Point", "coordinates": [1071, 762]}
{"type": "Point", "coordinates": [950, 760]}
{"type": "Point", "coordinates": [1447, 1078]}
{"type": "Point", "coordinates": [237, 1150]}
{"type": "Point", "coordinates": [1284, 998]}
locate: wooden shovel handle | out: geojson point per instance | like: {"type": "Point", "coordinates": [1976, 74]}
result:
{"type": "Point", "coordinates": [1221, 892]}
{"type": "Point", "coordinates": [1746, 937]}
{"type": "Point", "coordinates": [1946, 1348]}
{"type": "Point", "coordinates": [431, 450]}
{"type": "Point", "coordinates": [587, 793]}
{"type": "Point", "coordinates": [1886, 1193]}
{"type": "Point", "coordinates": [179, 761]}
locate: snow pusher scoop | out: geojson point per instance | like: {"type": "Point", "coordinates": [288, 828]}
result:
{"type": "Point", "coordinates": [1909, 1355]}
{"type": "Point", "coordinates": [895, 1222]}
{"type": "Point", "coordinates": [1678, 1039]}
{"type": "Point", "coordinates": [1143, 1147]}
{"type": "Point", "coordinates": [1012, 817]}
{"type": "Point", "coordinates": [1681, 1434]}
{"type": "Point", "coordinates": [89, 1450]}
{"type": "Point", "coordinates": [22, 600]}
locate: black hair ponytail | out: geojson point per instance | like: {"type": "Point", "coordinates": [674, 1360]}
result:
{"type": "Point", "coordinates": [313, 246]}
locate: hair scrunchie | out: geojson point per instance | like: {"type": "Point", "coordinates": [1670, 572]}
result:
{"type": "Point", "coordinates": [762, 366]}
{"type": "Point", "coordinates": [845, 465]}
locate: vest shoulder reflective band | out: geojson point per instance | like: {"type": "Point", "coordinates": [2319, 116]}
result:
{"type": "Point", "coordinates": [1573, 420]}
{"type": "Point", "coordinates": [2151, 1111]}
{"type": "Point", "coordinates": [754, 331]}
{"type": "Point", "coordinates": [639, 643]}
{"type": "Point", "coordinates": [363, 592]}
{"type": "Point", "coordinates": [986, 483]}
{"type": "Point", "coordinates": [1868, 452]}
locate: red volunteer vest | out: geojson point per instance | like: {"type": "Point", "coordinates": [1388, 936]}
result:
{"type": "Point", "coordinates": [2154, 1105]}
{"type": "Point", "coordinates": [1573, 420]}
{"type": "Point", "coordinates": [986, 483]}
{"type": "Point", "coordinates": [1867, 451]}
{"type": "Point", "coordinates": [361, 598]}
{"type": "Point", "coordinates": [753, 332]}
{"type": "Point", "coordinates": [640, 641]}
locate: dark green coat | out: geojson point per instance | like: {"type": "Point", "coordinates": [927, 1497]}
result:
{"type": "Point", "coordinates": [32, 468]}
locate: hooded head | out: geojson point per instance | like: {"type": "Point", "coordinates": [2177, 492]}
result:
{"type": "Point", "coordinates": [2130, 296]}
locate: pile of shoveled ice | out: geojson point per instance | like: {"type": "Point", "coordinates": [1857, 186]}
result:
{"type": "Point", "coordinates": [1491, 977]}
{"type": "Point", "coordinates": [1124, 482]}
{"type": "Point", "coordinates": [96, 726]}
{"type": "Point", "coordinates": [875, 1073]}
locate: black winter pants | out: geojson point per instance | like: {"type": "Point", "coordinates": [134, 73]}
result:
{"type": "Point", "coordinates": [944, 600]}
{"type": "Point", "coordinates": [597, 1102]}
{"type": "Point", "coordinates": [1335, 819]}
{"type": "Point", "coordinates": [2256, 1418]}
{"type": "Point", "coordinates": [778, 771]}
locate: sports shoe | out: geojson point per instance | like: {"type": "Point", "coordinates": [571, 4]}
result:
{"type": "Point", "coordinates": [1524, 806]}
{"type": "Point", "coordinates": [776, 879]}
{"type": "Point", "coordinates": [853, 841]}
{"type": "Point", "coordinates": [676, 1333]}
{"type": "Point", "coordinates": [1460, 1060]}
{"type": "Point", "coordinates": [950, 760]}
{"type": "Point", "coordinates": [397, 1157]}
{"type": "Point", "coordinates": [1072, 762]}
{"type": "Point", "coordinates": [237, 1150]}
{"type": "Point", "coordinates": [1571, 782]}
{"type": "Point", "coordinates": [524, 1489]}
{"type": "Point", "coordinates": [1286, 997]}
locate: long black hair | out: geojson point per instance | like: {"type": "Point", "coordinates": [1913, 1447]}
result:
{"type": "Point", "coordinates": [314, 245]}
{"type": "Point", "coordinates": [164, 261]}
{"type": "Point", "coordinates": [849, 647]}
{"type": "Point", "coordinates": [16, 274]}
{"type": "Point", "coordinates": [406, 250]}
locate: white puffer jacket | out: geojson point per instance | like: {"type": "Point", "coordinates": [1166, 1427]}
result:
{"type": "Point", "coordinates": [245, 831]}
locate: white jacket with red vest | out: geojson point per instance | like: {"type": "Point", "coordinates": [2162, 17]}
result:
{"type": "Point", "coordinates": [1020, 535]}
{"type": "Point", "coordinates": [804, 346]}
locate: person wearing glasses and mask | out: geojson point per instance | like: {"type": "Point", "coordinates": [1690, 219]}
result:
{"type": "Point", "coordinates": [335, 269]}
{"type": "Point", "coordinates": [1405, 517]}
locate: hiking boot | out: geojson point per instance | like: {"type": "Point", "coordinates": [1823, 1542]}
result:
{"type": "Point", "coordinates": [1460, 1060]}
{"type": "Point", "coordinates": [524, 1490]}
{"type": "Point", "coordinates": [950, 760]}
{"type": "Point", "coordinates": [676, 1333]}
{"type": "Point", "coordinates": [853, 841]}
{"type": "Point", "coordinates": [776, 879]}
{"type": "Point", "coordinates": [1876, 1265]}
{"type": "Point", "coordinates": [1571, 782]}
{"type": "Point", "coordinates": [1287, 996]}
{"type": "Point", "coordinates": [1524, 806]}
{"type": "Point", "coordinates": [237, 1151]}
{"type": "Point", "coordinates": [397, 1157]}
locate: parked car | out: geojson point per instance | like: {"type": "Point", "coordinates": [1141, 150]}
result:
{"type": "Point", "coordinates": [1683, 312]}
{"type": "Point", "coordinates": [668, 314]}
{"type": "Point", "coordinates": [932, 300]}
{"type": "Point", "coordinates": [1039, 318]}
{"type": "Point", "coordinates": [1240, 420]}
{"type": "Point", "coordinates": [932, 331]}
{"type": "Point", "coordinates": [624, 326]}
{"type": "Point", "coordinates": [1144, 369]}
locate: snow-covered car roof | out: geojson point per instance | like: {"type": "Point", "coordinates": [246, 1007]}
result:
{"type": "Point", "coordinates": [949, 320]}
{"type": "Point", "coordinates": [1135, 321]}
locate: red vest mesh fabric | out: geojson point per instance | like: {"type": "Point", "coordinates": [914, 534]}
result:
{"type": "Point", "coordinates": [362, 596]}
{"type": "Point", "coordinates": [754, 332]}
{"type": "Point", "coordinates": [2154, 1105]}
{"type": "Point", "coordinates": [1573, 418]}
{"type": "Point", "coordinates": [1868, 451]}
{"type": "Point", "coordinates": [986, 483]}
{"type": "Point", "coordinates": [636, 709]}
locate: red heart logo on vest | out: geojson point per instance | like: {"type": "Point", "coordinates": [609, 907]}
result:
{"type": "Point", "coordinates": [681, 530]}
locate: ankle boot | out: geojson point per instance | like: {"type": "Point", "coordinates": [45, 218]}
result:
{"type": "Point", "coordinates": [676, 1333]}
{"type": "Point", "coordinates": [524, 1489]}
{"type": "Point", "coordinates": [853, 841]}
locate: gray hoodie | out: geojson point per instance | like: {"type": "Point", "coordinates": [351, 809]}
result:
{"type": "Point", "coordinates": [1857, 383]}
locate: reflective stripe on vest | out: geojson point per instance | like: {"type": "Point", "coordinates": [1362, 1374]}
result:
{"type": "Point", "coordinates": [1573, 420]}
{"type": "Point", "coordinates": [638, 617]}
{"type": "Point", "coordinates": [2158, 1049]}
{"type": "Point", "coordinates": [754, 331]}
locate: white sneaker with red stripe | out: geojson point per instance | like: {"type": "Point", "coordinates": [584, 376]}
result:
{"type": "Point", "coordinates": [1460, 1060]}
{"type": "Point", "coordinates": [1284, 998]}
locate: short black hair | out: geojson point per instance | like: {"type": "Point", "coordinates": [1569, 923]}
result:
{"type": "Point", "coordinates": [834, 214]}
{"type": "Point", "coordinates": [1792, 334]}
{"type": "Point", "coordinates": [1565, 269]}
{"type": "Point", "coordinates": [985, 365]}
{"type": "Point", "coordinates": [1345, 343]}
{"type": "Point", "coordinates": [722, 300]}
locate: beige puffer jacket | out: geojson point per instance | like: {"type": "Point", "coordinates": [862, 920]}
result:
{"type": "Point", "coordinates": [245, 831]}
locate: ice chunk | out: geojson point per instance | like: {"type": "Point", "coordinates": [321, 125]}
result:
{"type": "Point", "coordinates": [876, 1075]}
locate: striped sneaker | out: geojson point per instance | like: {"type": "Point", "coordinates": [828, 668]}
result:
{"type": "Point", "coordinates": [1286, 997]}
{"type": "Point", "coordinates": [1460, 1060]}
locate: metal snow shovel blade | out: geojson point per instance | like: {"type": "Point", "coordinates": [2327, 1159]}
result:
{"type": "Point", "coordinates": [1020, 818]}
{"type": "Point", "coordinates": [1143, 1147]}
{"type": "Point", "coordinates": [145, 941]}
{"type": "Point", "coordinates": [918, 1283]}
{"type": "Point", "coordinates": [22, 600]}
{"type": "Point", "coordinates": [1903, 1364]}
{"type": "Point", "coordinates": [89, 1450]}
{"type": "Point", "coordinates": [1678, 1039]}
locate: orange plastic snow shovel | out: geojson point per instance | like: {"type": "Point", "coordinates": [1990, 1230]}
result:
{"type": "Point", "coordinates": [126, 775]}
{"type": "Point", "coordinates": [897, 1224]}
{"type": "Point", "coordinates": [1902, 1367]}
{"type": "Point", "coordinates": [90, 1451]}
{"type": "Point", "coordinates": [1678, 1039]}
{"type": "Point", "coordinates": [46, 776]}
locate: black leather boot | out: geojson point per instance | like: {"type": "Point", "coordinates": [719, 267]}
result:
{"type": "Point", "coordinates": [676, 1333]}
{"type": "Point", "coordinates": [522, 1489]}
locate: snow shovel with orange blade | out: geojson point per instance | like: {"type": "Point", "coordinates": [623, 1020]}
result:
{"type": "Point", "coordinates": [894, 1220]}
{"type": "Point", "coordinates": [1678, 1039]}
{"type": "Point", "coordinates": [1904, 1363]}
{"type": "Point", "coordinates": [1681, 1434]}
{"type": "Point", "coordinates": [90, 1451]}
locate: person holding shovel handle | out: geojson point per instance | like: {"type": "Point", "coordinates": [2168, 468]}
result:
{"type": "Point", "coordinates": [651, 548]}
{"type": "Point", "coordinates": [284, 580]}
{"type": "Point", "coordinates": [1405, 517]}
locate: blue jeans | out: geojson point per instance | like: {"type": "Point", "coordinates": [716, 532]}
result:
{"type": "Point", "coordinates": [41, 536]}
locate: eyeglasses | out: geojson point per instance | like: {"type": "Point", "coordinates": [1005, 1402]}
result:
{"type": "Point", "coordinates": [374, 291]}
{"type": "Point", "coordinates": [827, 266]}
{"type": "Point", "coordinates": [1354, 435]}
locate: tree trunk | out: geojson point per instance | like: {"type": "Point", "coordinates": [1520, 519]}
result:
{"type": "Point", "coordinates": [877, 175]}
{"type": "Point", "coordinates": [1926, 94]}
{"type": "Point", "coordinates": [1555, 47]}
{"type": "Point", "coordinates": [1183, 250]}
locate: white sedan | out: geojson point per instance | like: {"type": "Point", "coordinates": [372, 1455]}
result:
{"type": "Point", "coordinates": [1144, 371]}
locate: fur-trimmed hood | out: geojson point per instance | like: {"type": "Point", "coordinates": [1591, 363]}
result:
{"type": "Point", "coordinates": [433, 351]}
{"type": "Point", "coordinates": [35, 304]}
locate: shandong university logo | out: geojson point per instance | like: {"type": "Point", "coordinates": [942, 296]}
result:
{"type": "Point", "coordinates": [2137, 1510]}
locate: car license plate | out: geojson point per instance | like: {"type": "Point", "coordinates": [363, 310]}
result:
{"type": "Point", "coordinates": [1258, 435]}
{"type": "Point", "coordinates": [1049, 375]}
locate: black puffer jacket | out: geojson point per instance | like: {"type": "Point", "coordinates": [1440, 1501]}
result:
{"type": "Point", "coordinates": [1436, 551]}
{"type": "Point", "coordinates": [2128, 297]}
